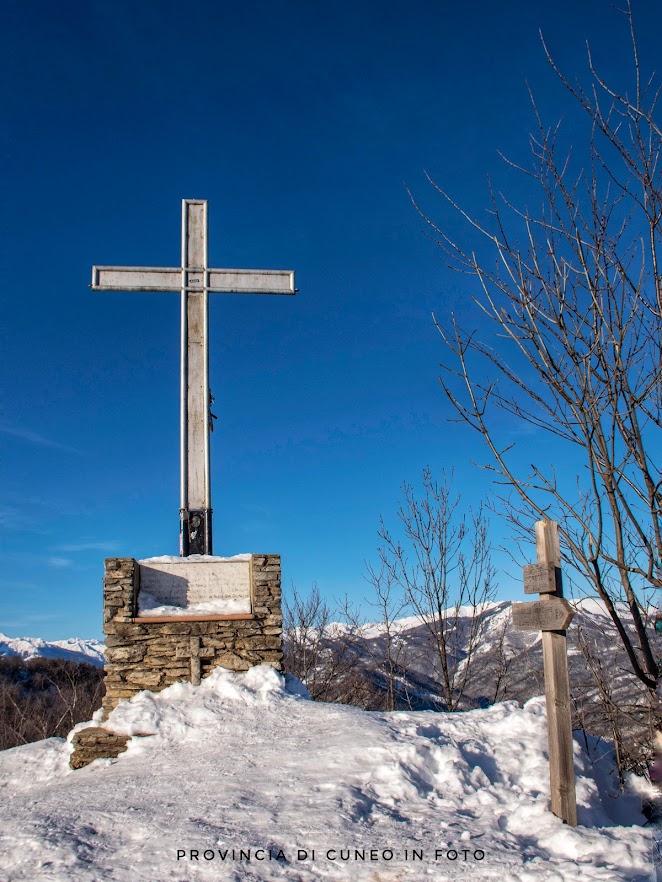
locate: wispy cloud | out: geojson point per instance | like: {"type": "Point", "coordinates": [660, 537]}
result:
{"type": "Point", "coordinates": [31, 515]}
{"type": "Point", "coordinates": [103, 545]}
{"type": "Point", "coordinates": [31, 560]}
{"type": "Point", "coordinates": [60, 563]}
{"type": "Point", "coordinates": [10, 515]}
{"type": "Point", "coordinates": [35, 438]}
{"type": "Point", "coordinates": [19, 587]}
{"type": "Point", "coordinates": [256, 509]}
{"type": "Point", "coordinates": [15, 621]}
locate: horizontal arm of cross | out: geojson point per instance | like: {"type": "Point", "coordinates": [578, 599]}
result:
{"type": "Point", "coordinates": [224, 281]}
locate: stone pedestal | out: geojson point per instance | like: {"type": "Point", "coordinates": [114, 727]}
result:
{"type": "Point", "coordinates": [151, 652]}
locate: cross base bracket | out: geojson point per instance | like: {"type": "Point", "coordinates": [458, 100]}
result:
{"type": "Point", "coordinates": [195, 531]}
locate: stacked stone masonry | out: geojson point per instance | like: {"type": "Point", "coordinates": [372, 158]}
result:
{"type": "Point", "coordinates": [96, 742]}
{"type": "Point", "coordinates": [153, 655]}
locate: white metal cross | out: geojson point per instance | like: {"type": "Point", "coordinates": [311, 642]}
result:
{"type": "Point", "coordinates": [194, 280]}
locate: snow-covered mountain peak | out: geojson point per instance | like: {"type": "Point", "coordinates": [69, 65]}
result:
{"type": "Point", "coordinates": [75, 649]}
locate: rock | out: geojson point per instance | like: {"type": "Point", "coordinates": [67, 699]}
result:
{"type": "Point", "coordinates": [96, 742]}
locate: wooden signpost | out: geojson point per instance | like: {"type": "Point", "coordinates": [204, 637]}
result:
{"type": "Point", "coordinates": [551, 615]}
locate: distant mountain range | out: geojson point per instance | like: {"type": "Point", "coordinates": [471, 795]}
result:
{"type": "Point", "coordinates": [607, 699]}
{"type": "Point", "coordinates": [519, 653]}
{"type": "Point", "coordinates": [507, 664]}
{"type": "Point", "coordinates": [75, 649]}
{"type": "Point", "coordinates": [591, 616]}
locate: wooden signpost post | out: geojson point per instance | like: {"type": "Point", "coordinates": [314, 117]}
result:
{"type": "Point", "coordinates": [552, 614]}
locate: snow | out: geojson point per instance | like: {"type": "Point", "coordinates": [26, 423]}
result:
{"type": "Point", "coordinates": [148, 605]}
{"type": "Point", "coordinates": [192, 558]}
{"type": "Point", "coordinates": [246, 763]}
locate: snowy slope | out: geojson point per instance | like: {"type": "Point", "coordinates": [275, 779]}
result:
{"type": "Point", "coordinates": [74, 649]}
{"type": "Point", "coordinates": [245, 762]}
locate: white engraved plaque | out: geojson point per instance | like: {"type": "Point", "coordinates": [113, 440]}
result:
{"type": "Point", "coordinates": [188, 584]}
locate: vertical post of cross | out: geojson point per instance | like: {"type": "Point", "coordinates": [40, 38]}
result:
{"type": "Point", "coordinates": [195, 489]}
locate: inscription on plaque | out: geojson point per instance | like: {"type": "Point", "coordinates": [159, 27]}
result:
{"type": "Point", "coordinates": [186, 583]}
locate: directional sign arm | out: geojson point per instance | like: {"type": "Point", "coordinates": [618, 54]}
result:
{"type": "Point", "coordinates": [543, 578]}
{"type": "Point", "coordinates": [553, 615]}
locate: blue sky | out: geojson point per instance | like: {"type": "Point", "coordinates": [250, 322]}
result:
{"type": "Point", "coordinates": [300, 123]}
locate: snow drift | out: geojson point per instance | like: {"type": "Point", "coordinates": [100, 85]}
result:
{"type": "Point", "coordinates": [244, 778]}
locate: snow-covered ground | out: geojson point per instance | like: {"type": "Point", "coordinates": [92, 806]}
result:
{"type": "Point", "coordinates": [243, 778]}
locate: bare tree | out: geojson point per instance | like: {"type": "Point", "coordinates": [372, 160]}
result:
{"type": "Point", "coordinates": [578, 310]}
{"type": "Point", "coordinates": [387, 650]}
{"type": "Point", "coordinates": [41, 698]}
{"type": "Point", "coordinates": [322, 653]}
{"type": "Point", "coordinates": [446, 575]}
{"type": "Point", "coordinates": [503, 660]}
